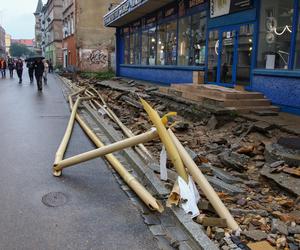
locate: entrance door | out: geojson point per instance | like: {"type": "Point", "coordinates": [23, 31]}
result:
{"type": "Point", "coordinates": [230, 55]}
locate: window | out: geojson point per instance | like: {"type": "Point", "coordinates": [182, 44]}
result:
{"type": "Point", "coordinates": [167, 43]}
{"type": "Point", "coordinates": [184, 34]}
{"type": "Point", "coordinates": [171, 43]}
{"type": "Point", "coordinates": [275, 34]}
{"type": "Point", "coordinates": [152, 46]}
{"type": "Point", "coordinates": [191, 40]}
{"type": "Point", "coordinates": [145, 48]}
{"type": "Point", "coordinates": [126, 46]}
{"type": "Point", "coordinates": [72, 24]}
{"type": "Point", "coordinates": [198, 38]}
{"type": "Point", "coordinates": [297, 52]}
{"type": "Point", "coordinates": [161, 46]}
{"type": "Point", "coordinates": [135, 45]}
{"type": "Point", "coordinates": [149, 46]}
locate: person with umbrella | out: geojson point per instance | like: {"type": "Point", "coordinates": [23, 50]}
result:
{"type": "Point", "coordinates": [39, 72]}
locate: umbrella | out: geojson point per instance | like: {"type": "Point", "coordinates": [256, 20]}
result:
{"type": "Point", "coordinates": [34, 58]}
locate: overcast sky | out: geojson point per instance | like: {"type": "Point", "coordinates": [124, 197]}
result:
{"type": "Point", "coordinates": [16, 16]}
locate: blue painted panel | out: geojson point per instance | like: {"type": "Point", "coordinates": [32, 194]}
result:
{"type": "Point", "coordinates": [247, 16]}
{"type": "Point", "coordinates": [277, 72]}
{"type": "Point", "coordinates": [162, 76]}
{"type": "Point", "coordinates": [281, 91]}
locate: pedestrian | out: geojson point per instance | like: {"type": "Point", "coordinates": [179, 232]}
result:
{"type": "Point", "coordinates": [3, 67]}
{"type": "Point", "coordinates": [39, 71]}
{"type": "Point", "coordinates": [46, 65]}
{"type": "Point", "coordinates": [50, 66]}
{"type": "Point", "coordinates": [11, 67]}
{"type": "Point", "coordinates": [30, 67]}
{"type": "Point", "coordinates": [19, 68]}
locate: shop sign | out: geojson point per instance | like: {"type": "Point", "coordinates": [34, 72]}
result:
{"type": "Point", "coordinates": [225, 7]}
{"type": "Point", "coordinates": [121, 10]}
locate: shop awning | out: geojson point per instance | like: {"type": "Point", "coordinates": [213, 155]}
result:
{"type": "Point", "coordinates": [130, 10]}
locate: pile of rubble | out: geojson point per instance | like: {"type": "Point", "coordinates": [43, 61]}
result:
{"type": "Point", "coordinates": [250, 163]}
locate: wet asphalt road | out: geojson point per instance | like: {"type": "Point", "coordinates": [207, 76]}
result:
{"type": "Point", "coordinates": [97, 215]}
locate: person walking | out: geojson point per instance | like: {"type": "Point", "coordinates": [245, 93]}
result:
{"type": "Point", "coordinates": [50, 64]}
{"type": "Point", "coordinates": [19, 68]}
{"type": "Point", "coordinates": [46, 65]}
{"type": "Point", "coordinates": [3, 67]}
{"type": "Point", "coordinates": [39, 69]}
{"type": "Point", "coordinates": [30, 66]}
{"type": "Point", "coordinates": [11, 67]}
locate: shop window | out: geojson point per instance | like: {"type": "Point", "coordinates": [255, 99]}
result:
{"type": "Point", "coordinates": [171, 43]}
{"type": "Point", "coordinates": [198, 37]}
{"type": "Point", "coordinates": [275, 34]}
{"type": "Point", "coordinates": [135, 46]}
{"type": "Point", "coordinates": [149, 46]}
{"type": "Point", "coordinates": [152, 46]}
{"type": "Point", "coordinates": [191, 40]}
{"type": "Point", "coordinates": [184, 33]}
{"type": "Point", "coordinates": [126, 49]}
{"type": "Point", "coordinates": [145, 48]}
{"type": "Point", "coordinates": [297, 52]}
{"type": "Point", "coordinates": [161, 45]}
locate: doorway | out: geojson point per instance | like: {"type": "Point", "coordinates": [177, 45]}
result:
{"type": "Point", "coordinates": [230, 55]}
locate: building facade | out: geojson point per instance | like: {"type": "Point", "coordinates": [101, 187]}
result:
{"type": "Point", "coordinates": [7, 43]}
{"type": "Point", "coordinates": [52, 34]}
{"type": "Point", "coordinates": [38, 28]}
{"type": "Point", "coordinates": [2, 42]}
{"type": "Point", "coordinates": [237, 43]}
{"type": "Point", "coordinates": [87, 44]}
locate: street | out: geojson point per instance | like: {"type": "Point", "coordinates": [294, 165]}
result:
{"type": "Point", "coordinates": [97, 213]}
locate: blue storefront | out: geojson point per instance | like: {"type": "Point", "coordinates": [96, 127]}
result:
{"type": "Point", "coordinates": [249, 43]}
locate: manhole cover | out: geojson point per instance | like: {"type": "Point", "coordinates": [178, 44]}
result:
{"type": "Point", "coordinates": [54, 199]}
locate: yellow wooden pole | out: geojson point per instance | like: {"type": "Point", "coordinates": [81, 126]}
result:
{"type": "Point", "coordinates": [166, 140]}
{"type": "Point", "coordinates": [114, 147]}
{"type": "Point", "coordinates": [64, 143]}
{"type": "Point", "coordinates": [207, 189]}
{"type": "Point", "coordinates": [140, 190]}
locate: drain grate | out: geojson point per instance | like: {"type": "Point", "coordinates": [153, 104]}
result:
{"type": "Point", "coordinates": [54, 199]}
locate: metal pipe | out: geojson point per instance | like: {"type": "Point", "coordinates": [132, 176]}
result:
{"type": "Point", "coordinates": [64, 143]}
{"type": "Point", "coordinates": [140, 190]}
{"type": "Point", "coordinates": [166, 140]}
{"type": "Point", "coordinates": [114, 147]}
{"type": "Point", "coordinates": [207, 189]}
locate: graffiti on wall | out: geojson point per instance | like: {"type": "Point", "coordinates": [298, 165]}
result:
{"type": "Point", "coordinates": [98, 57]}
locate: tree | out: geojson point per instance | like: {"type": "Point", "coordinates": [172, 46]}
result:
{"type": "Point", "coordinates": [19, 50]}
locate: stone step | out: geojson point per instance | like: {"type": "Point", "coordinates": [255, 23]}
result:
{"type": "Point", "coordinates": [232, 96]}
{"type": "Point", "coordinates": [250, 109]}
{"type": "Point", "coordinates": [215, 93]}
{"type": "Point", "coordinates": [246, 103]}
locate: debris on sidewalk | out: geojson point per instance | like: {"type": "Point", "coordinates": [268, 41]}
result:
{"type": "Point", "coordinates": [250, 163]}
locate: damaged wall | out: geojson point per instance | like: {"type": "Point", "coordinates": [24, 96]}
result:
{"type": "Point", "coordinates": [95, 43]}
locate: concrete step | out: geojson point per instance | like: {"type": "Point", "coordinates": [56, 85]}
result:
{"type": "Point", "coordinates": [231, 96]}
{"type": "Point", "coordinates": [216, 93]}
{"type": "Point", "coordinates": [224, 103]}
{"type": "Point", "coordinates": [192, 96]}
{"type": "Point", "coordinates": [246, 103]}
{"type": "Point", "coordinates": [250, 109]}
